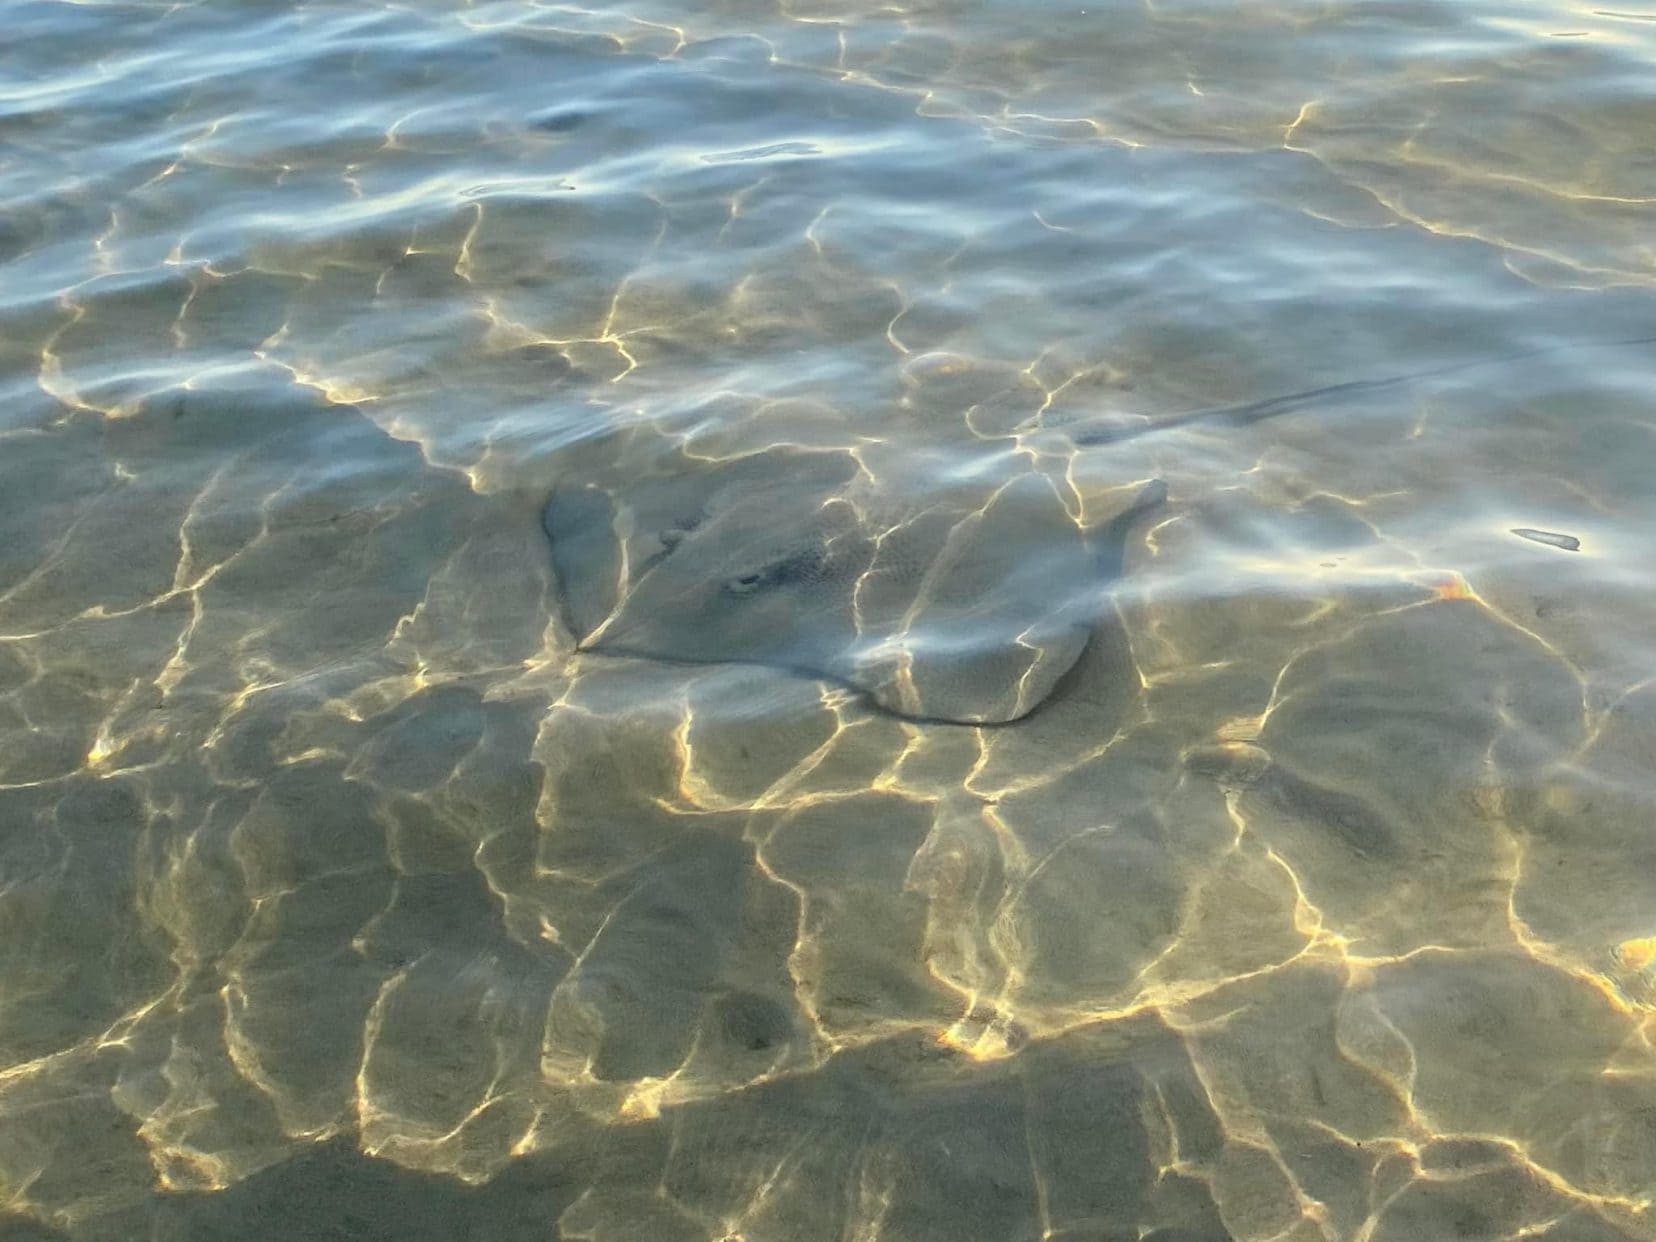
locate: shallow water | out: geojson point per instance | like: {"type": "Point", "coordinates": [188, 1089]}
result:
{"type": "Point", "coordinates": [1313, 897]}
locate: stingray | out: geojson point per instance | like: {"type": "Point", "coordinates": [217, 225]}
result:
{"type": "Point", "coordinates": [966, 604]}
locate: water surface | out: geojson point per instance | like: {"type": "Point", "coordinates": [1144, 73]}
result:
{"type": "Point", "coordinates": [1299, 884]}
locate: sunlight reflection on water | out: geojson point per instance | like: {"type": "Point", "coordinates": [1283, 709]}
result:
{"type": "Point", "coordinates": [908, 366]}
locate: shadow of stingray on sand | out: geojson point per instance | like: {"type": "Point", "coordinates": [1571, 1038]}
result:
{"type": "Point", "coordinates": [964, 604]}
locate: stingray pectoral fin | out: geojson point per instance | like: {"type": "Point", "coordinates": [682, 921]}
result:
{"type": "Point", "coordinates": [997, 618]}
{"type": "Point", "coordinates": [987, 678]}
{"type": "Point", "coordinates": [587, 557]}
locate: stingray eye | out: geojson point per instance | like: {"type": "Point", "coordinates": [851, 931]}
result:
{"type": "Point", "coordinates": [746, 584]}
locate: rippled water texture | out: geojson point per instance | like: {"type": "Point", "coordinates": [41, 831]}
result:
{"type": "Point", "coordinates": [792, 620]}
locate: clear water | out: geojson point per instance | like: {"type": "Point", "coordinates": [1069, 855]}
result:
{"type": "Point", "coordinates": [342, 896]}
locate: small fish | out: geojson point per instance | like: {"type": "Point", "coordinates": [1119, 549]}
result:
{"type": "Point", "coordinates": [1568, 543]}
